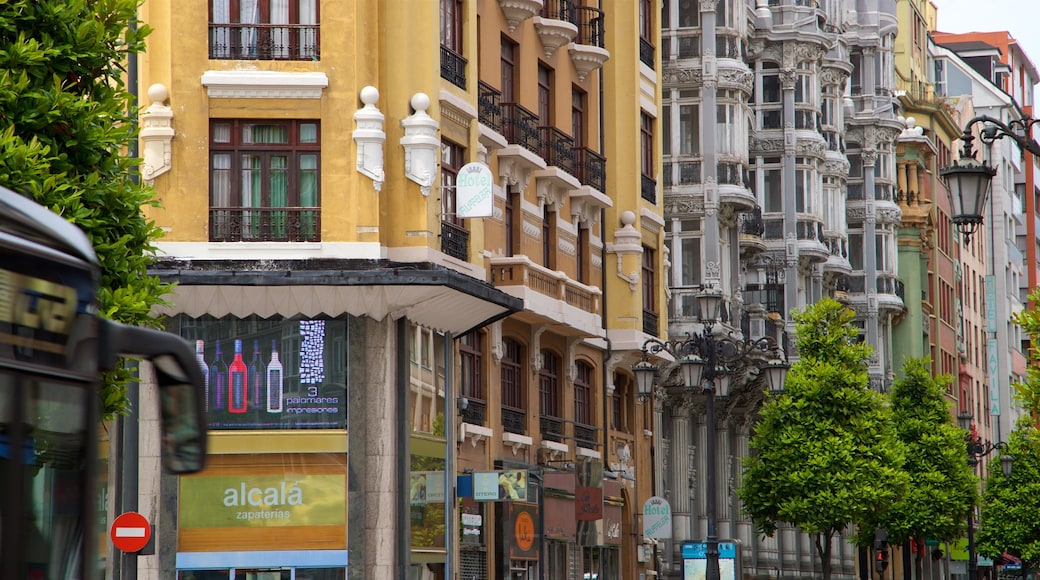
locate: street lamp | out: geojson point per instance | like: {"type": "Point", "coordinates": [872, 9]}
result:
{"type": "Point", "coordinates": [705, 367]}
{"type": "Point", "coordinates": [969, 180]}
{"type": "Point", "coordinates": [977, 448]}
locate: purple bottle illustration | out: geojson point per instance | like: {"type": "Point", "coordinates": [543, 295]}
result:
{"type": "Point", "coordinates": [200, 355]}
{"type": "Point", "coordinates": [257, 375]}
{"type": "Point", "coordinates": [274, 381]}
{"type": "Point", "coordinates": [218, 378]}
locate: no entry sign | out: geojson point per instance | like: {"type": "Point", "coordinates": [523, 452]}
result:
{"type": "Point", "coordinates": [130, 532]}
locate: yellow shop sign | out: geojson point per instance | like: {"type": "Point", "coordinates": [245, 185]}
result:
{"type": "Point", "coordinates": [268, 500]}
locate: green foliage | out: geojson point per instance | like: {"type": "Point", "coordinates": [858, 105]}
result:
{"type": "Point", "coordinates": [942, 488]}
{"type": "Point", "coordinates": [825, 450]}
{"type": "Point", "coordinates": [1028, 391]}
{"type": "Point", "coordinates": [66, 122]}
{"type": "Point", "coordinates": [1010, 504]}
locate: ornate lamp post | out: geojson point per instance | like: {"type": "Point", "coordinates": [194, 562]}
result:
{"type": "Point", "coordinates": [977, 448]}
{"type": "Point", "coordinates": [969, 180]}
{"type": "Point", "coordinates": [704, 365]}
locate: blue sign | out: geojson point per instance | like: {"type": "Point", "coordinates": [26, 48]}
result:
{"type": "Point", "coordinates": [699, 550]}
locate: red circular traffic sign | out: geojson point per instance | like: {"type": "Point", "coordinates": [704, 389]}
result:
{"type": "Point", "coordinates": [130, 532]}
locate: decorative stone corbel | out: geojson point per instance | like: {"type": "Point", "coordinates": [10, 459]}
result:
{"type": "Point", "coordinates": [421, 144]}
{"type": "Point", "coordinates": [370, 137]}
{"type": "Point", "coordinates": [627, 240]}
{"type": "Point", "coordinates": [475, 433]}
{"type": "Point", "coordinates": [157, 134]}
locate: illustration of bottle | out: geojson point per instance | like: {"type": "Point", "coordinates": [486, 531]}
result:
{"type": "Point", "coordinates": [200, 355]}
{"type": "Point", "coordinates": [274, 381]}
{"type": "Point", "coordinates": [256, 375]}
{"type": "Point", "coordinates": [238, 390]}
{"type": "Point", "coordinates": [218, 378]}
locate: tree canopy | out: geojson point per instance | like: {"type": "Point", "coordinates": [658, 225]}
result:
{"type": "Point", "coordinates": [825, 453]}
{"type": "Point", "coordinates": [943, 489]}
{"type": "Point", "coordinates": [1010, 504]}
{"type": "Point", "coordinates": [67, 122]}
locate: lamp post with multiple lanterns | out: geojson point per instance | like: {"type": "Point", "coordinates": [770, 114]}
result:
{"type": "Point", "coordinates": [705, 367]}
{"type": "Point", "coordinates": [977, 449]}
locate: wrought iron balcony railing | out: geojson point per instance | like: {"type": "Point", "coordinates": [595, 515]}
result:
{"type": "Point", "coordinates": [586, 436]}
{"type": "Point", "coordinates": [489, 106]}
{"type": "Point", "coordinates": [521, 127]}
{"type": "Point", "coordinates": [751, 223]}
{"type": "Point", "coordinates": [453, 67]}
{"type": "Point", "coordinates": [475, 412]}
{"type": "Point", "coordinates": [551, 428]}
{"type": "Point", "coordinates": [557, 149]}
{"type": "Point", "coordinates": [589, 21]}
{"type": "Point", "coordinates": [591, 168]}
{"type": "Point", "coordinates": [648, 188]}
{"type": "Point", "coordinates": [650, 322]}
{"type": "Point", "coordinates": [514, 420]}
{"type": "Point", "coordinates": [455, 241]}
{"type": "Point", "coordinates": [283, 224]}
{"type": "Point", "coordinates": [646, 52]}
{"type": "Point", "coordinates": [264, 41]}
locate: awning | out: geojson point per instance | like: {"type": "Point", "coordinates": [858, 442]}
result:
{"type": "Point", "coordinates": [433, 296]}
{"type": "Point", "coordinates": [1006, 558]}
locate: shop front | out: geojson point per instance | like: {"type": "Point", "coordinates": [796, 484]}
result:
{"type": "Point", "coordinates": [272, 501]}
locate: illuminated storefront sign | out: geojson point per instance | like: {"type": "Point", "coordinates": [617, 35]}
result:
{"type": "Point", "coordinates": [271, 373]}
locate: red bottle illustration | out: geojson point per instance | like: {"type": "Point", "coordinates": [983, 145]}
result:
{"type": "Point", "coordinates": [237, 387]}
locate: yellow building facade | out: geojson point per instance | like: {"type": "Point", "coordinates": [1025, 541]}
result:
{"type": "Point", "coordinates": [418, 245]}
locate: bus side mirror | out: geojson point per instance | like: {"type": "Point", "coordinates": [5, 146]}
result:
{"type": "Point", "coordinates": [181, 387]}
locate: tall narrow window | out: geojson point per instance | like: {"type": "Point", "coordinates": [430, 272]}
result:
{"type": "Point", "coordinates": [545, 94]}
{"type": "Point", "coordinates": [646, 133]}
{"type": "Point", "coordinates": [582, 255]}
{"type": "Point", "coordinates": [548, 238]}
{"type": "Point", "coordinates": [549, 385]}
{"type": "Point", "coordinates": [508, 63]}
{"type": "Point", "coordinates": [578, 100]}
{"type": "Point", "coordinates": [583, 394]}
{"type": "Point", "coordinates": [512, 374]}
{"type": "Point", "coordinates": [471, 359]}
{"type": "Point", "coordinates": [649, 271]}
{"type": "Point", "coordinates": [453, 64]}
{"type": "Point", "coordinates": [452, 159]}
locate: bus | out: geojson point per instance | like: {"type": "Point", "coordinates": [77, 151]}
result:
{"type": "Point", "coordinates": [53, 349]}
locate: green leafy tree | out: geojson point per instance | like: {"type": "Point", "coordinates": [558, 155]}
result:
{"type": "Point", "coordinates": [825, 452]}
{"type": "Point", "coordinates": [1010, 504]}
{"type": "Point", "coordinates": [943, 489]}
{"type": "Point", "coordinates": [66, 124]}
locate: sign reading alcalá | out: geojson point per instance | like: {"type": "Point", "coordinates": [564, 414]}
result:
{"type": "Point", "coordinates": [657, 518]}
{"type": "Point", "coordinates": [473, 191]}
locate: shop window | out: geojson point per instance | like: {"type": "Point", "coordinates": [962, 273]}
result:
{"type": "Point", "coordinates": [270, 373]}
{"type": "Point", "coordinates": [264, 181]}
{"type": "Point", "coordinates": [264, 29]}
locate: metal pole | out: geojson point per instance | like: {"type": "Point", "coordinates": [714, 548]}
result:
{"type": "Point", "coordinates": [450, 435]}
{"type": "Point", "coordinates": [128, 432]}
{"type": "Point", "coordinates": [973, 563]}
{"type": "Point", "coordinates": [712, 573]}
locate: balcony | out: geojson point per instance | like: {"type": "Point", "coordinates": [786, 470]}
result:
{"type": "Point", "coordinates": [453, 67]}
{"type": "Point", "coordinates": [770, 296]}
{"type": "Point", "coordinates": [591, 168]}
{"type": "Point", "coordinates": [551, 428]}
{"type": "Point", "coordinates": [549, 296]}
{"type": "Point", "coordinates": [557, 149]}
{"type": "Point", "coordinates": [489, 107]}
{"type": "Point", "coordinates": [650, 323]}
{"type": "Point", "coordinates": [646, 52]}
{"type": "Point", "coordinates": [586, 436]}
{"type": "Point", "coordinates": [264, 41]}
{"type": "Point", "coordinates": [283, 224]}
{"type": "Point", "coordinates": [514, 420]}
{"type": "Point", "coordinates": [516, 11]}
{"type": "Point", "coordinates": [475, 412]}
{"type": "Point", "coordinates": [648, 189]}
{"type": "Point", "coordinates": [750, 227]}
{"type": "Point", "coordinates": [455, 241]}
{"type": "Point", "coordinates": [587, 52]}
{"type": "Point", "coordinates": [554, 27]}
{"type": "Point", "coordinates": [521, 127]}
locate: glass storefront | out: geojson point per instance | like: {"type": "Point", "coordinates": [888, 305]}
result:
{"type": "Point", "coordinates": [265, 574]}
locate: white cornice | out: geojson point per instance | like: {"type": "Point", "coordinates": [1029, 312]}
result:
{"type": "Point", "coordinates": [259, 84]}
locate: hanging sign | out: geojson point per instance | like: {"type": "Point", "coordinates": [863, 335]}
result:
{"type": "Point", "coordinates": [473, 191]}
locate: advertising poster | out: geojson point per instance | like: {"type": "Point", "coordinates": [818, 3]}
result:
{"type": "Point", "coordinates": [695, 560]}
{"type": "Point", "coordinates": [271, 373]}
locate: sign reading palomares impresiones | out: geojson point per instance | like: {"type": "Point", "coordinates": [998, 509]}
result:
{"type": "Point", "coordinates": [473, 188]}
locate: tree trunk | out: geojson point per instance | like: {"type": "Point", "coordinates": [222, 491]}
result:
{"type": "Point", "coordinates": [823, 547]}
